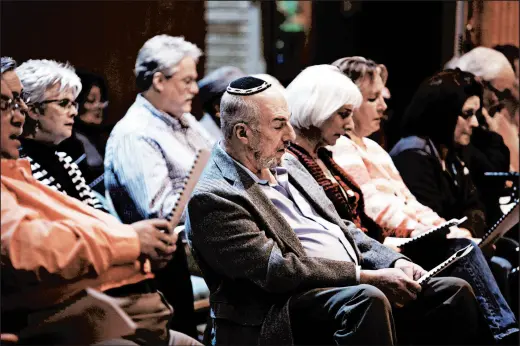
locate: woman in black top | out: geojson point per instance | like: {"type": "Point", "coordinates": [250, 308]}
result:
{"type": "Point", "coordinates": [436, 128]}
{"type": "Point", "coordinates": [439, 122]}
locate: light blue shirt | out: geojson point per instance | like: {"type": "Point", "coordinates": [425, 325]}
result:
{"type": "Point", "coordinates": [319, 237]}
{"type": "Point", "coordinates": [148, 156]}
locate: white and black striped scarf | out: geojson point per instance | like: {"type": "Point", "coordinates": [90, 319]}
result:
{"type": "Point", "coordinates": [86, 195]}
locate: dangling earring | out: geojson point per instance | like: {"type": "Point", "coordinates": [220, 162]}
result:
{"type": "Point", "coordinates": [37, 127]}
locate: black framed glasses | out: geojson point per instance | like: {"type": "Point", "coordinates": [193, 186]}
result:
{"type": "Point", "coordinates": [63, 103]}
{"type": "Point", "coordinates": [13, 104]}
{"type": "Point", "coordinates": [504, 95]}
{"type": "Point", "coordinates": [468, 114]}
{"type": "Point", "coordinates": [188, 81]}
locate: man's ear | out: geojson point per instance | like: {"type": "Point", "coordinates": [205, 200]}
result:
{"type": "Point", "coordinates": [241, 131]}
{"type": "Point", "coordinates": [157, 81]}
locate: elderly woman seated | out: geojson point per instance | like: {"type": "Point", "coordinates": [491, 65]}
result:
{"type": "Point", "coordinates": [322, 100]}
{"type": "Point", "coordinates": [52, 89]}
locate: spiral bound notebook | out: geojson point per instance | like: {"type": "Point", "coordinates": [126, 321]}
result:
{"type": "Point", "coordinates": [190, 181]}
{"type": "Point", "coordinates": [452, 259]}
{"type": "Point", "coordinates": [504, 224]}
{"type": "Point", "coordinates": [435, 233]}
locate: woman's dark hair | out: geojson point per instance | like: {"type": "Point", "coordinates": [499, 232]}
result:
{"type": "Point", "coordinates": [88, 80]}
{"type": "Point", "coordinates": [437, 104]}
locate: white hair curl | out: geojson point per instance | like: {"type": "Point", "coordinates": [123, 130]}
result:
{"type": "Point", "coordinates": [317, 92]}
{"type": "Point", "coordinates": [39, 75]}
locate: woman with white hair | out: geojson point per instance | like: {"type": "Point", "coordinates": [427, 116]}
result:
{"type": "Point", "coordinates": [52, 89]}
{"type": "Point", "coordinates": [322, 100]}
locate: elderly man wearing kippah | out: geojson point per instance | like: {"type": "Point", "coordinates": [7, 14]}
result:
{"type": "Point", "coordinates": [284, 268]}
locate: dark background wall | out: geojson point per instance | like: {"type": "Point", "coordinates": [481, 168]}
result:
{"type": "Point", "coordinates": [412, 38]}
{"type": "Point", "coordinates": [101, 36]}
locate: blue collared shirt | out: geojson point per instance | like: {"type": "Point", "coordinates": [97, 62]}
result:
{"type": "Point", "coordinates": [319, 237]}
{"type": "Point", "coordinates": [148, 155]}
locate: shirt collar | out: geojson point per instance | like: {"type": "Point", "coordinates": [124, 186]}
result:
{"type": "Point", "coordinates": [280, 173]}
{"type": "Point", "coordinates": [168, 119]}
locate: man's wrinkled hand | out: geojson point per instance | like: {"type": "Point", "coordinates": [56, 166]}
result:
{"type": "Point", "coordinates": [394, 283]}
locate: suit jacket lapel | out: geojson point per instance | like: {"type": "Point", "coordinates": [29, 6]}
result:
{"type": "Point", "coordinates": [314, 193]}
{"type": "Point", "coordinates": [276, 224]}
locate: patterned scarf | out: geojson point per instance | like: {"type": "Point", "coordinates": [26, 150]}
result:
{"type": "Point", "coordinates": [349, 208]}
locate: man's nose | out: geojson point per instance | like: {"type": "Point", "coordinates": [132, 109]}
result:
{"type": "Point", "coordinates": [289, 135]}
{"type": "Point", "coordinates": [194, 88]}
{"type": "Point", "coordinates": [18, 118]}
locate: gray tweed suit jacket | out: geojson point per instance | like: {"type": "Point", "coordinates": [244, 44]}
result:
{"type": "Point", "coordinates": [251, 258]}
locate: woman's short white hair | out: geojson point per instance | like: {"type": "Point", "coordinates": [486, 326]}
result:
{"type": "Point", "coordinates": [39, 75]}
{"type": "Point", "coordinates": [317, 92]}
{"type": "Point", "coordinates": [483, 62]}
{"type": "Point", "coordinates": [162, 53]}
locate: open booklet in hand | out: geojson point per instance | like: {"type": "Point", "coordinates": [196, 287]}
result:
{"type": "Point", "coordinates": [504, 224]}
{"type": "Point", "coordinates": [426, 239]}
{"type": "Point", "coordinates": [93, 318]}
{"type": "Point", "coordinates": [452, 259]}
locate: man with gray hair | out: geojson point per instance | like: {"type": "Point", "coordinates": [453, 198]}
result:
{"type": "Point", "coordinates": [283, 268]}
{"type": "Point", "coordinates": [151, 149]}
{"type": "Point", "coordinates": [495, 144]}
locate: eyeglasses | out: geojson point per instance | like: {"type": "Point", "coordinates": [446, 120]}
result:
{"type": "Point", "coordinates": [188, 81]}
{"type": "Point", "coordinates": [505, 95]}
{"type": "Point", "coordinates": [468, 114]}
{"type": "Point", "coordinates": [63, 103]}
{"type": "Point", "coordinates": [16, 103]}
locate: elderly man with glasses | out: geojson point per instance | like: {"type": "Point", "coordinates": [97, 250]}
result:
{"type": "Point", "coordinates": [150, 151]}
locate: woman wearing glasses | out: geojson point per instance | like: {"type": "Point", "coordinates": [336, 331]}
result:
{"type": "Point", "coordinates": [86, 146]}
{"type": "Point", "coordinates": [437, 124]}
{"type": "Point", "coordinates": [52, 89]}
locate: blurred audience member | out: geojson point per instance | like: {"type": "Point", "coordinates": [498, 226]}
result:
{"type": "Point", "coordinates": [437, 123]}
{"type": "Point", "coordinates": [85, 146]}
{"type": "Point", "coordinates": [211, 89]}
{"type": "Point", "coordinates": [53, 246]}
{"type": "Point", "coordinates": [501, 98]}
{"type": "Point", "coordinates": [52, 89]}
{"type": "Point", "coordinates": [151, 150]}
{"type": "Point", "coordinates": [387, 199]}
{"type": "Point", "coordinates": [322, 100]}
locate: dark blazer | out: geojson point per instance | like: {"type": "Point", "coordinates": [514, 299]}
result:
{"type": "Point", "coordinates": [251, 258]}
